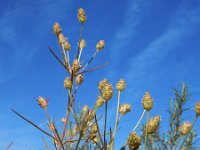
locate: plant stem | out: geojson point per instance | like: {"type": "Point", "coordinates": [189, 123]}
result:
{"type": "Point", "coordinates": [105, 122]}
{"type": "Point", "coordinates": [80, 37]}
{"type": "Point", "coordinates": [145, 139]}
{"type": "Point", "coordinates": [116, 120]}
{"type": "Point", "coordinates": [139, 120]}
{"type": "Point", "coordinates": [178, 142]}
{"type": "Point", "coordinates": [195, 119]}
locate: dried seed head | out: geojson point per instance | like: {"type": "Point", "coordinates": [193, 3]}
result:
{"type": "Point", "coordinates": [185, 128]}
{"type": "Point", "coordinates": [43, 102]}
{"type": "Point", "coordinates": [100, 101]}
{"type": "Point", "coordinates": [63, 120]}
{"type": "Point", "coordinates": [107, 92]}
{"type": "Point", "coordinates": [81, 15]}
{"type": "Point", "coordinates": [94, 129]}
{"type": "Point", "coordinates": [85, 109]}
{"type": "Point", "coordinates": [153, 124]}
{"type": "Point", "coordinates": [75, 130]}
{"type": "Point", "coordinates": [61, 39]}
{"type": "Point", "coordinates": [147, 101]}
{"type": "Point", "coordinates": [67, 46]}
{"type": "Point", "coordinates": [197, 108]}
{"type": "Point", "coordinates": [82, 44]}
{"type": "Point", "coordinates": [100, 45]}
{"type": "Point", "coordinates": [67, 83]}
{"type": "Point", "coordinates": [124, 108]}
{"type": "Point", "coordinates": [102, 83]}
{"type": "Point", "coordinates": [121, 84]}
{"type": "Point", "coordinates": [134, 141]}
{"type": "Point", "coordinates": [56, 28]}
{"type": "Point", "coordinates": [79, 79]}
{"type": "Point", "coordinates": [76, 65]}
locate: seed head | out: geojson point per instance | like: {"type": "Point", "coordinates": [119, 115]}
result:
{"type": "Point", "coordinates": [85, 109]}
{"type": "Point", "coordinates": [75, 130]}
{"type": "Point", "coordinates": [61, 39]}
{"type": "Point", "coordinates": [81, 15]}
{"type": "Point", "coordinates": [76, 65]}
{"type": "Point", "coordinates": [134, 141]}
{"type": "Point", "coordinates": [42, 102]}
{"type": "Point", "coordinates": [124, 108]}
{"type": "Point", "coordinates": [147, 101]}
{"type": "Point", "coordinates": [107, 92]}
{"type": "Point", "coordinates": [100, 101]}
{"type": "Point", "coordinates": [67, 83]}
{"type": "Point", "coordinates": [153, 124]}
{"type": "Point", "coordinates": [121, 84]}
{"type": "Point", "coordinates": [79, 79]}
{"type": "Point", "coordinates": [56, 28]}
{"type": "Point", "coordinates": [66, 45]}
{"type": "Point", "coordinates": [92, 115]}
{"type": "Point", "coordinates": [100, 45]}
{"type": "Point", "coordinates": [82, 44]}
{"type": "Point", "coordinates": [185, 128]}
{"type": "Point", "coordinates": [102, 83]}
{"type": "Point", "coordinates": [197, 108]}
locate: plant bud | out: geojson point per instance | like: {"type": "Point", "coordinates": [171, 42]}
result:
{"type": "Point", "coordinates": [67, 46]}
{"type": "Point", "coordinates": [67, 83]}
{"type": "Point", "coordinates": [197, 108]}
{"type": "Point", "coordinates": [121, 84]}
{"type": "Point", "coordinates": [81, 15]}
{"type": "Point", "coordinates": [100, 45]}
{"type": "Point", "coordinates": [61, 39]}
{"type": "Point", "coordinates": [85, 109]}
{"type": "Point", "coordinates": [134, 141]}
{"type": "Point", "coordinates": [100, 101]}
{"type": "Point", "coordinates": [107, 92]}
{"type": "Point", "coordinates": [76, 65]}
{"type": "Point", "coordinates": [124, 108]}
{"type": "Point", "coordinates": [185, 128]}
{"type": "Point", "coordinates": [42, 102]}
{"type": "Point", "coordinates": [102, 83]}
{"type": "Point", "coordinates": [82, 44]}
{"type": "Point", "coordinates": [57, 29]}
{"type": "Point", "coordinates": [153, 124]}
{"type": "Point", "coordinates": [79, 79]}
{"type": "Point", "coordinates": [147, 101]}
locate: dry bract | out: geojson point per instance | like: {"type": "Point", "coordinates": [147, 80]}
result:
{"type": "Point", "coordinates": [66, 45]}
{"type": "Point", "coordinates": [61, 39]}
{"type": "Point", "coordinates": [79, 79]}
{"type": "Point", "coordinates": [82, 44]}
{"type": "Point", "coordinates": [76, 65]}
{"type": "Point", "coordinates": [107, 92]}
{"type": "Point", "coordinates": [100, 101]}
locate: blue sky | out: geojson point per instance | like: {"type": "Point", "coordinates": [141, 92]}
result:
{"type": "Point", "coordinates": [153, 45]}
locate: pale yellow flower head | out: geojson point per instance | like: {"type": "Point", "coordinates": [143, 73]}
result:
{"type": "Point", "coordinates": [124, 108]}
{"type": "Point", "coordinates": [147, 101]}
{"type": "Point", "coordinates": [61, 39]}
{"type": "Point", "coordinates": [81, 15]}
{"type": "Point", "coordinates": [100, 45]}
{"type": "Point", "coordinates": [42, 102]}
{"type": "Point", "coordinates": [82, 44]}
{"type": "Point", "coordinates": [121, 84]}
{"type": "Point", "coordinates": [57, 29]}
{"type": "Point", "coordinates": [185, 128]}
{"type": "Point", "coordinates": [134, 141]}
{"type": "Point", "coordinates": [66, 45]}
{"type": "Point", "coordinates": [67, 83]}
